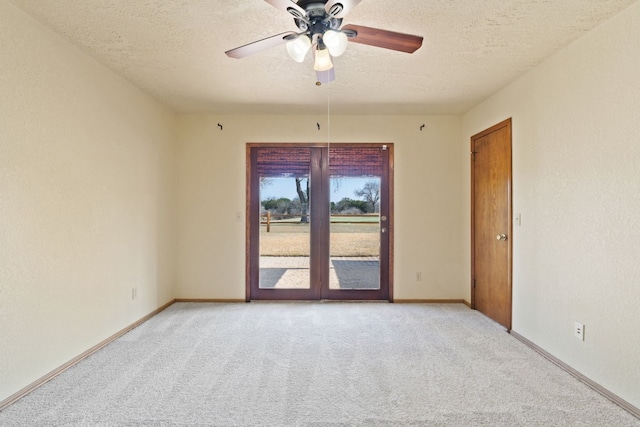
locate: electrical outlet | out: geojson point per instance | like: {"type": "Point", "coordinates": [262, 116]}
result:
{"type": "Point", "coordinates": [134, 293]}
{"type": "Point", "coordinates": [578, 331]}
{"type": "Point", "coordinates": [419, 276]}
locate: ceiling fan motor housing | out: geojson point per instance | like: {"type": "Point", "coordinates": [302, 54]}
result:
{"type": "Point", "coordinates": [317, 20]}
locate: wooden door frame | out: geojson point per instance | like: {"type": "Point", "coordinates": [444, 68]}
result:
{"type": "Point", "coordinates": [504, 124]}
{"type": "Point", "coordinates": [252, 233]}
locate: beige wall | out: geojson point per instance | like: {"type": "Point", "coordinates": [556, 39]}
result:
{"type": "Point", "coordinates": [576, 182]}
{"type": "Point", "coordinates": [87, 193]}
{"type": "Point", "coordinates": [428, 202]}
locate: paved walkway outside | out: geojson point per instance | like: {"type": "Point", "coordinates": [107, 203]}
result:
{"type": "Point", "coordinates": [344, 273]}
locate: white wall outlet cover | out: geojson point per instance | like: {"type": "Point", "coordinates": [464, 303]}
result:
{"type": "Point", "coordinates": [578, 331]}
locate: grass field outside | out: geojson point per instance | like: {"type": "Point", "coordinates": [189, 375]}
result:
{"type": "Point", "coordinates": [353, 237]}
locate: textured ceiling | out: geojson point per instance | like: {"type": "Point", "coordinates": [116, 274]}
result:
{"type": "Point", "coordinates": [174, 50]}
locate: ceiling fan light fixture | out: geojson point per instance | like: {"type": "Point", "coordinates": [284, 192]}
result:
{"type": "Point", "coordinates": [336, 42]}
{"type": "Point", "coordinates": [299, 47]}
{"type": "Point", "coordinates": [323, 60]}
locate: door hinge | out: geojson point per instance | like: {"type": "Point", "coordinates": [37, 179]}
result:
{"type": "Point", "coordinates": [474, 283]}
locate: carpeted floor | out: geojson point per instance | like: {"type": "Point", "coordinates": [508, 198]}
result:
{"type": "Point", "coordinates": [316, 364]}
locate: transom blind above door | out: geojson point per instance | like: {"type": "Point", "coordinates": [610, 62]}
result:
{"type": "Point", "coordinates": [287, 161]}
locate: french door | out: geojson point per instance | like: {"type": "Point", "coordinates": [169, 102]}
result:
{"type": "Point", "coordinates": [319, 221]}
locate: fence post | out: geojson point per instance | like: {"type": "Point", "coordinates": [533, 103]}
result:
{"type": "Point", "coordinates": [268, 221]}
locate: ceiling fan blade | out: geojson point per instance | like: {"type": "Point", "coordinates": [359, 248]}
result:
{"type": "Point", "coordinates": [384, 39]}
{"type": "Point", "coordinates": [326, 76]}
{"type": "Point", "coordinates": [290, 7]}
{"type": "Point", "coordinates": [340, 8]}
{"type": "Point", "coordinates": [260, 45]}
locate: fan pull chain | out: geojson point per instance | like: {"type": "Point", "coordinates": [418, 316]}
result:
{"type": "Point", "coordinates": [328, 121]}
{"type": "Point", "coordinates": [329, 148]}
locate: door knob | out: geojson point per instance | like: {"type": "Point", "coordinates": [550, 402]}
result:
{"type": "Point", "coordinates": [383, 230]}
{"type": "Point", "coordinates": [501, 237]}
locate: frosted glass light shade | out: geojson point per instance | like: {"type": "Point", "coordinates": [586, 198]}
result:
{"type": "Point", "coordinates": [323, 60]}
{"type": "Point", "coordinates": [299, 47]}
{"type": "Point", "coordinates": [336, 42]}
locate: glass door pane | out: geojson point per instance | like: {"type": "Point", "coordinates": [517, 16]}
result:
{"type": "Point", "coordinates": [285, 220]}
{"type": "Point", "coordinates": [355, 186]}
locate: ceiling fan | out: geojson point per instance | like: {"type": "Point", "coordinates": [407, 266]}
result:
{"type": "Point", "coordinates": [319, 22]}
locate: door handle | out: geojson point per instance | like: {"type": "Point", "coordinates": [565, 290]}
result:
{"type": "Point", "coordinates": [501, 237]}
{"type": "Point", "coordinates": [383, 230]}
